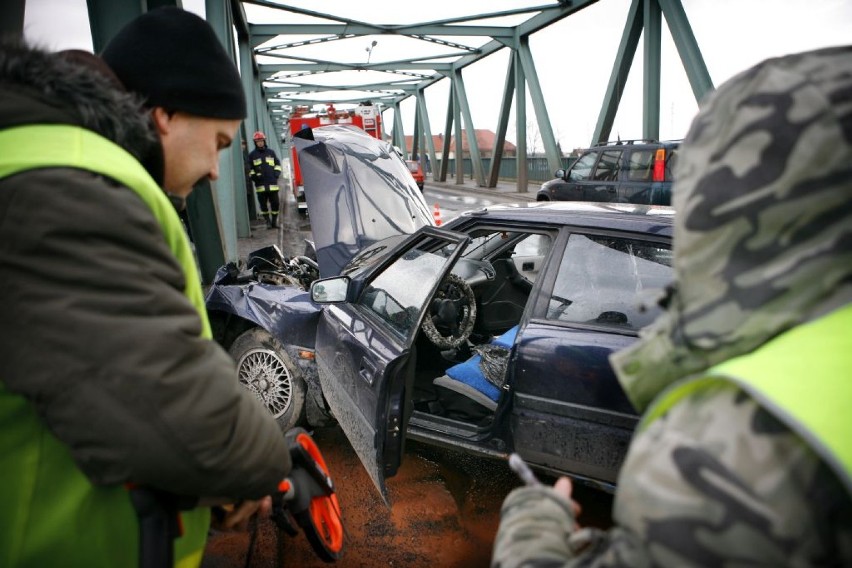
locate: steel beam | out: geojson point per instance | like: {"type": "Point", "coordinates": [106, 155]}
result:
{"type": "Point", "coordinates": [458, 155]}
{"type": "Point", "coordinates": [651, 77]}
{"type": "Point", "coordinates": [423, 113]}
{"type": "Point", "coordinates": [473, 145]}
{"type": "Point", "coordinates": [12, 18]}
{"type": "Point", "coordinates": [541, 114]}
{"type": "Point", "coordinates": [398, 134]}
{"type": "Point", "coordinates": [502, 124]}
{"type": "Point", "coordinates": [106, 17]}
{"type": "Point", "coordinates": [687, 48]}
{"type": "Point", "coordinates": [520, 122]}
{"type": "Point", "coordinates": [620, 71]}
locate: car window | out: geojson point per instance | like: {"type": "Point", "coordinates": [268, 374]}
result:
{"type": "Point", "coordinates": [582, 169]}
{"type": "Point", "coordinates": [529, 255]}
{"type": "Point", "coordinates": [608, 165]}
{"type": "Point", "coordinates": [397, 295]}
{"type": "Point", "coordinates": [671, 162]}
{"type": "Point", "coordinates": [485, 242]}
{"type": "Point", "coordinates": [640, 165]}
{"type": "Point", "coordinates": [608, 281]}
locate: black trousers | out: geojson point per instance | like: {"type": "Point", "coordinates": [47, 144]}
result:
{"type": "Point", "coordinates": [269, 204]}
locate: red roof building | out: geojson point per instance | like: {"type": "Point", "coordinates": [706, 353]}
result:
{"type": "Point", "coordinates": [485, 139]}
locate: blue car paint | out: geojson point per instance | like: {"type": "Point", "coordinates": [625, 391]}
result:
{"type": "Point", "coordinates": [283, 311]}
{"type": "Point", "coordinates": [567, 412]}
{"type": "Point", "coordinates": [358, 191]}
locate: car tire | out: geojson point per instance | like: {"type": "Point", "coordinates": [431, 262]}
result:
{"type": "Point", "coordinates": [542, 198]}
{"type": "Point", "coordinates": [265, 369]}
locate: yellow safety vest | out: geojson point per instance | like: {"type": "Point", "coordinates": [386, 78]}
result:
{"type": "Point", "coordinates": [52, 514]}
{"type": "Point", "coordinates": [803, 377]}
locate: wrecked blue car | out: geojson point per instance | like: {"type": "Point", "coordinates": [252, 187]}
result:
{"type": "Point", "coordinates": [489, 335]}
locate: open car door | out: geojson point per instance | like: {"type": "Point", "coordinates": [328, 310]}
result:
{"type": "Point", "coordinates": [364, 342]}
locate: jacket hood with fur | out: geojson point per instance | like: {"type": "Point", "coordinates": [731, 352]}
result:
{"type": "Point", "coordinates": [37, 87]}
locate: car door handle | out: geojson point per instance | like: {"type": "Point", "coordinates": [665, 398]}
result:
{"type": "Point", "coordinates": [367, 371]}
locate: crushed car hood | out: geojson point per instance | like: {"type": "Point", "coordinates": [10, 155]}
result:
{"type": "Point", "coordinates": [359, 192]}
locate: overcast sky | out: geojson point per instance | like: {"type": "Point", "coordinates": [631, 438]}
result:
{"type": "Point", "coordinates": [573, 57]}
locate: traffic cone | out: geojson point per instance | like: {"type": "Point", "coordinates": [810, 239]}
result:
{"type": "Point", "coordinates": [436, 214]}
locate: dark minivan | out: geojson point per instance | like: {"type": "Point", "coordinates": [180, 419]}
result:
{"type": "Point", "coordinates": [627, 171]}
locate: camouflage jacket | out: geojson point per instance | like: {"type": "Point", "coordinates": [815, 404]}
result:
{"type": "Point", "coordinates": [763, 194]}
{"type": "Point", "coordinates": [680, 504]}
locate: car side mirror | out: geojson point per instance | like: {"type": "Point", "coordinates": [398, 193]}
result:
{"type": "Point", "coordinates": [330, 290]}
{"type": "Point", "coordinates": [560, 173]}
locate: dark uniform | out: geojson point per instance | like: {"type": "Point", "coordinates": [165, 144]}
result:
{"type": "Point", "coordinates": [265, 171]}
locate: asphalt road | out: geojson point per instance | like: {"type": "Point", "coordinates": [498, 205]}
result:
{"type": "Point", "coordinates": [444, 512]}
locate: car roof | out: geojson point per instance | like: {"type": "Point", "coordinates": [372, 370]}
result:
{"type": "Point", "coordinates": [639, 144]}
{"type": "Point", "coordinates": [622, 216]}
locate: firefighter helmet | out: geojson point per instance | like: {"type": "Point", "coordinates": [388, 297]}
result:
{"type": "Point", "coordinates": [259, 136]}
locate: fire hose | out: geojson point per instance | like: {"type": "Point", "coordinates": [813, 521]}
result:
{"type": "Point", "coordinates": [306, 499]}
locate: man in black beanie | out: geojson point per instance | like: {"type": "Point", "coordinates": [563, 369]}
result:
{"type": "Point", "coordinates": [110, 376]}
{"type": "Point", "coordinates": [173, 59]}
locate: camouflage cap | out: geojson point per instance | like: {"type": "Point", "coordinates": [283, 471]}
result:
{"type": "Point", "coordinates": [763, 223]}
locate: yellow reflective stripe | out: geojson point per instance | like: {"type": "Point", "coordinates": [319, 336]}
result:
{"type": "Point", "coordinates": [273, 188]}
{"type": "Point", "coordinates": [31, 147]}
{"type": "Point", "coordinates": [39, 146]}
{"type": "Point", "coordinates": [256, 162]}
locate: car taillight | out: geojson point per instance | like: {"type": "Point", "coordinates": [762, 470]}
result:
{"type": "Point", "coordinates": [660, 165]}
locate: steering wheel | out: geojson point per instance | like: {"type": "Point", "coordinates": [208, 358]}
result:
{"type": "Point", "coordinates": [452, 313]}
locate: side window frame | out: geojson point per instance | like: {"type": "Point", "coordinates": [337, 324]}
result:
{"type": "Point", "coordinates": [595, 155]}
{"type": "Point", "coordinates": [630, 172]}
{"type": "Point", "coordinates": [547, 279]}
{"type": "Point", "coordinates": [613, 171]}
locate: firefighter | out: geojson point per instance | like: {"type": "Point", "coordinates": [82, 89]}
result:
{"type": "Point", "coordinates": [265, 171]}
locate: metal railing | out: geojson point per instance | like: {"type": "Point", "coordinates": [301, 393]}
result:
{"type": "Point", "coordinates": [537, 168]}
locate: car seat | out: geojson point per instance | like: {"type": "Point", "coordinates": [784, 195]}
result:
{"type": "Point", "coordinates": [469, 378]}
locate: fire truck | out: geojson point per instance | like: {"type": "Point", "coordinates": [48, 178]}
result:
{"type": "Point", "coordinates": [365, 116]}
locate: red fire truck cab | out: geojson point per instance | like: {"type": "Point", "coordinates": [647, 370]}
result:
{"type": "Point", "coordinates": [364, 116]}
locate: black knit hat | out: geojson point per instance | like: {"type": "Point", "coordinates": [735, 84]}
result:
{"type": "Point", "coordinates": [174, 59]}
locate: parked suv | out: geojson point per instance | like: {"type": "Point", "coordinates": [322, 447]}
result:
{"type": "Point", "coordinates": [627, 171]}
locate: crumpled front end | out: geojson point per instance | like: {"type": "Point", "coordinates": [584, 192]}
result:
{"type": "Point", "coordinates": [359, 192]}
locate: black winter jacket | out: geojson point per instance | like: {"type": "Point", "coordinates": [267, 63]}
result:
{"type": "Point", "coordinates": [265, 167]}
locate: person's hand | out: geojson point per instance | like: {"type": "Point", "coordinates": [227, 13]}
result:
{"type": "Point", "coordinates": [237, 516]}
{"type": "Point", "coordinates": [564, 487]}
